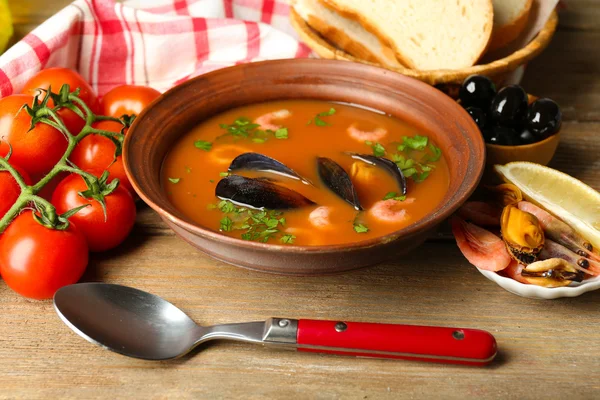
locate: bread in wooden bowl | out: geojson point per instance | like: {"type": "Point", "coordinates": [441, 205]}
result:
{"type": "Point", "coordinates": [424, 34]}
{"type": "Point", "coordinates": [345, 33]}
{"type": "Point", "coordinates": [447, 80]}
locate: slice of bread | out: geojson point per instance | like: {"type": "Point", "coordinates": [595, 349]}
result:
{"type": "Point", "coordinates": [346, 34]}
{"type": "Point", "coordinates": [510, 19]}
{"type": "Point", "coordinates": [425, 34]}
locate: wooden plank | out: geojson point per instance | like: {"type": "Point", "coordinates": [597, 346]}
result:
{"type": "Point", "coordinates": [568, 72]}
{"type": "Point", "coordinates": [541, 343]}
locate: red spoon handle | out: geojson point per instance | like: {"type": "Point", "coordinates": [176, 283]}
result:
{"type": "Point", "coordinates": [424, 343]}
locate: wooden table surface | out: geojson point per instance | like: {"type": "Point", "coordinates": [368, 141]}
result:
{"type": "Point", "coordinates": [547, 348]}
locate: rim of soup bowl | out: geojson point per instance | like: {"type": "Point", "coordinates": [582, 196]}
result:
{"type": "Point", "coordinates": [427, 223]}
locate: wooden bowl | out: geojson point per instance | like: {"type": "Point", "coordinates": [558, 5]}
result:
{"type": "Point", "coordinates": [183, 107]}
{"type": "Point", "coordinates": [540, 152]}
{"type": "Point", "coordinates": [446, 80]}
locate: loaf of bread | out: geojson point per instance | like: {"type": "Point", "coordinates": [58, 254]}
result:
{"type": "Point", "coordinates": [424, 34]}
{"type": "Point", "coordinates": [345, 33]}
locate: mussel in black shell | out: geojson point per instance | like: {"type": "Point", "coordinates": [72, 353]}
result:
{"type": "Point", "coordinates": [259, 193]}
{"type": "Point", "coordinates": [338, 180]}
{"type": "Point", "coordinates": [385, 164]}
{"type": "Point", "coordinates": [260, 162]}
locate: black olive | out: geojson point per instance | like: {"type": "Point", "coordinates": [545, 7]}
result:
{"type": "Point", "coordinates": [526, 137]}
{"type": "Point", "coordinates": [543, 118]}
{"type": "Point", "coordinates": [501, 135]}
{"type": "Point", "coordinates": [478, 116]}
{"type": "Point", "coordinates": [477, 91]}
{"type": "Point", "coordinates": [509, 106]}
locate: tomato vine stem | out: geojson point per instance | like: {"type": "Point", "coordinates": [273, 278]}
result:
{"type": "Point", "coordinates": [41, 113]}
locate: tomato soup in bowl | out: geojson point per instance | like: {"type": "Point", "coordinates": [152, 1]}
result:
{"type": "Point", "coordinates": [356, 173]}
{"type": "Point", "coordinates": [304, 166]}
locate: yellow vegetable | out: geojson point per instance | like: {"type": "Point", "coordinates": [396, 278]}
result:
{"type": "Point", "coordinates": [6, 27]}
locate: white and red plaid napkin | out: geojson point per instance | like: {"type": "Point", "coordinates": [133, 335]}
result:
{"type": "Point", "coordinates": [157, 43]}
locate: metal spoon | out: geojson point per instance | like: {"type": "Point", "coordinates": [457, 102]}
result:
{"type": "Point", "coordinates": [142, 325]}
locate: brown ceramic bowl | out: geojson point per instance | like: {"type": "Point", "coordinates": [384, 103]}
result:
{"type": "Point", "coordinates": [540, 152]}
{"type": "Point", "coordinates": [183, 107]}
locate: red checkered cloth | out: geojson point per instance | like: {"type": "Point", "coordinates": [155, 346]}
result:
{"type": "Point", "coordinates": [157, 43]}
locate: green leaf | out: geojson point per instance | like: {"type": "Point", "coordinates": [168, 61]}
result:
{"type": "Point", "coordinates": [420, 177]}
{"type": "Point", "coordinates": [272, 223]}
{"type": "Point", "coordinates": [281, 133]}
{"type": "Point", "coordinates": [378, 150]}
{"type": "Point", "coordinates": [395, 196]}
{"type": "Point", "coordinates": [203, 145]}
{"type": "Point", "coordinates": [437, 153]}
{"type": "Point", "coordinates": [360, 228]}
{"type": "Point", "coordinates": [174, 180]}
{"type": "Point", "coordinates": [320, 122]}
{"type": "Point", "coordinates": [409, 172]}
{"type": "Point", "coordinates": [416, 142]}
{"type": "Point", "coordinates": [287, 238]}
{"type": "Point", "coordinates": [331, 111]}
{"type": "Point", "coordinates": [226, 224]}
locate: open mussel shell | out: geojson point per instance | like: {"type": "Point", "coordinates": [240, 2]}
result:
{"type": "Point", "coordinates": [553, 272]}
{"type": "Point", "coordinates": [338, 181]}
{"type": "Point", "coordinates": [385, 164]}
{"type": "Point", "coordinates": [260, 162]}
{"type": "Point", "coordinates": [522, 233]}
{"type": "Point", "coordinates": [259, 193]}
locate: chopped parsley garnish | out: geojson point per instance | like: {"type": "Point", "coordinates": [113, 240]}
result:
{"type": "Point", "coordinates": [188, 169]}
{"type": "Point", "coordinates": [203, 145]}
{"type": "Point", "coordinates": [224, 174]}
{"type": "Point", "coordinates": [174, 180]}
{"type": "Point", "coordinates": [437, 153]}
{"type": "Point", "coordinates": [319, 121]}
{"type": "Point", "coordinates": [416, 142]}
{"type": "Point", "coordinates": [378, 149]}
{"type": "Point", "coordinates": [243, 128]}
{"type": "Point", "coordinates": [360, 228]}
{"type": "Point", "coordinates": [254, 225]}
{"type": "Point", "coordinates": [281, 133]}
{"type": "Point", "coordinates": [287, 238]}
{"type": "Point", "coordinates": [395, 196]}
{"type": "Point", "coordinates": [415, 157]}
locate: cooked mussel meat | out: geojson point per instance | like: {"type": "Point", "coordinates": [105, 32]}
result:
{"type": "Point", "coordinates": [522, 233]}
{"type": "Point", "coordinates": [553, 272]}
{"type": "Point", "coordinates": [506, 194]}
{"type": "Point", "coordinates": [260, 162]}
{"type": "Point", "coordinates": [259, 193]}
{"type": "Point", "coordinates": [338, 181]}
{"type": "Point", "coordinates": [387, 165]}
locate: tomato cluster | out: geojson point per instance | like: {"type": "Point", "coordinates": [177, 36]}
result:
{"type": "Point", "coordinates": [63, 188]}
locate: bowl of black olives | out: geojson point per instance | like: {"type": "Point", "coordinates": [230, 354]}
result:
{"type": "Point", "coordinates": [515, 126]}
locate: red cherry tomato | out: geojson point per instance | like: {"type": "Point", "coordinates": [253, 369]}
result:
{"type": "Point", "coordinates": [56, 77]}
{"type": "Point", "coordinates": [127, 99]}
{"type": "Point", "coordinates": [9, 189]}
{"type": "Point", "coordinates": [96, 152]}
{"type": "Point", "coordinates": [36, 261]}
{"type": "Point", "coordinates": [36, 151]}
{"type": "Point", "coordinates": [101, 234]}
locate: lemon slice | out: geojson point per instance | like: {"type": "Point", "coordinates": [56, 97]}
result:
{"type": "Point", "coordinates": [6, 27]}
{"type": "Point", "coordinates": [569, 199]}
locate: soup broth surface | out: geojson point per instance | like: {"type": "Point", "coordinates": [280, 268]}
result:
{"type": "Point", "coordinates": [296, 137]}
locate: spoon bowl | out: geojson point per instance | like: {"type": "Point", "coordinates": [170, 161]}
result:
{"type": "Point", "coordinates": [127, 320]}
